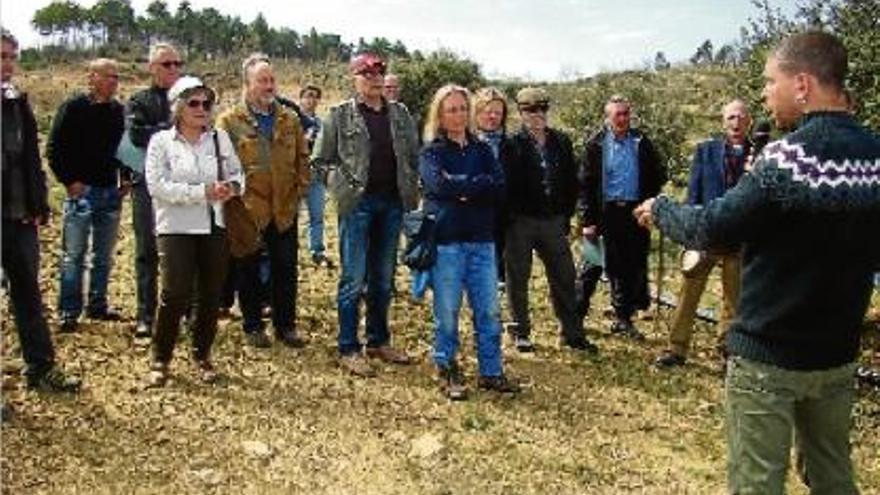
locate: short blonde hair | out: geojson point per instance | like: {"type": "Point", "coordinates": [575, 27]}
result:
{"type": "Point", "coordinates": [432, 125]}
{"type": "Point", "coordinates": [487, 95]}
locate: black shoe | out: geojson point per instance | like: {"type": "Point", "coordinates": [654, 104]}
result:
{"type": "Point", "coordinates": [143, 330]}
{"type": "Point", "coordinates": [583, 345]}
{"type": "Point", "coordinates": [500, 384]}
{"type": "Point", "coordinates": [625, 328]}
{"type": "Point", "coordinates": [290, 339]}
{"type": "Point", "coordinates": [452, 382]}
{"type": "Point", "coordinates": [107, 315]}
{"type": "Point", "coordinates": [258, 339]}
{"type": "Point", "coordinates": [321, 259]}
{"type": "Point", "coordinates": [523, 344]}
{"type": "Point", "coordinates": [868, 376]}
{"type": "Point", "coordinates": [54, 380]}
{"type": "Point", "coordinates": [669, 359]}
{"type": "Point", "coordinates": [68, 326]}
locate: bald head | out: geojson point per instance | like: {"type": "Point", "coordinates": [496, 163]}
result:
{"type": "Point", "coordinates": [736, 121]}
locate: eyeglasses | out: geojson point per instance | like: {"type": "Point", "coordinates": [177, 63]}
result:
{"type": "Point", "coordinates": [172, 63]}
{"type": "Point", "coordinates": [206, 105]}
{"type": "Point", "coordinates": [371, 73]}
{"type": "Point", "coordinates": [538, 108]}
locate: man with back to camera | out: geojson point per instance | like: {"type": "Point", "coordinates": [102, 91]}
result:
{"type": "Point", "coordinates": [808, 218]}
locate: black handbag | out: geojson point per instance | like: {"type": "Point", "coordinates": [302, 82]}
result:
{"type": "Point", "coordinates": [420, 228]}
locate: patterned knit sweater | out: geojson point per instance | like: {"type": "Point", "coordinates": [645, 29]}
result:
{"type": "Point", "coordinates": [808, 220]}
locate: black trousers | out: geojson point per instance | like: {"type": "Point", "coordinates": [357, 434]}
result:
{"type": "Point", "coordinates": [21, 263]}
{"type": "Point", "coordinates": [626, 263]}
{"type": "Point", "coordinates": [548, 237]}
{"type": "Point", "coordinates": [187, 261]}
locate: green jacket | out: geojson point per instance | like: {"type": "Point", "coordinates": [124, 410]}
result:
{"type": "Point", "coordinates": [343, 150]}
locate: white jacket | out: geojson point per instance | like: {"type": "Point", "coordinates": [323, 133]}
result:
{"type": "Point", "coordinates": [177, 173]}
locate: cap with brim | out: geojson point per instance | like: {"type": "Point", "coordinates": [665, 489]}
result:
{"type": "Point", "coordinates": [367, 62]}
{"type": "Point", "coordinates": [186, 85]}
{"type": "Point", "coordinates": [528, 97]}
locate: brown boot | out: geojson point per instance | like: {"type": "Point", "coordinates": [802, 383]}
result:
{"type": "Point", "coordinates": [388, 354]}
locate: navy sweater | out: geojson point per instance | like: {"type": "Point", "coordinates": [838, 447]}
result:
{"type": "Point", "coordinates": [464, 185]}
{"type": "Point", "coordinates": [808, 217]}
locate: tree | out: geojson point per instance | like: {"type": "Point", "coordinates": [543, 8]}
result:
{"type": "Point", "coordinates": [660, 62]}
{"type": "Point", "coordinates": [704, 54]}
{"type": "Point", "coordinates": [419, 79]}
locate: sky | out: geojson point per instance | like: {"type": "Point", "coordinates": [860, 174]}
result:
{"type": "Point", "coordinates": [527, 39]}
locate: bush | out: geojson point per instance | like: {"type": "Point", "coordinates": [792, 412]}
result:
{"type": "Point", "coordinates": [420, 77]}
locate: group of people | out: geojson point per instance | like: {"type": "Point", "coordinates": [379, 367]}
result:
{"type": "Point", "coordinates": [497, 199]}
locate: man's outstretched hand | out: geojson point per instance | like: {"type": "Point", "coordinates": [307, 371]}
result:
{"type": "Point", "coordinates": [643, 213]}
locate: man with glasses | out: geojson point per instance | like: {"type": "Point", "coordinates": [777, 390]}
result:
{"type": "Point", "coordinates": [25, 206]}
{"type": "Point", "coordinates": [148, 112]}
{"type": "Point", "coordinates": [369, 146]}
{"type": "Point", "coordinates": [270, 143]}
{"type": "Point", "coordinates": [82, 153]}
{"type": "Point", "coordinates": [541, 179]}
{"type": "Point", "coordinates": [622, 168]}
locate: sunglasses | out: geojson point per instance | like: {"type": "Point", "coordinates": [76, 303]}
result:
{"type": "Point", "coordinates": [370, 73]}
{"type": "Point", "coordinates": [539, 108]}
{"type": "Point", "coordinates": [172, 63]}
{"type": "Point", "coordinates": [206, 105]}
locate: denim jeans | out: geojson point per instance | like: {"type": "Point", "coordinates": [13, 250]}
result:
{"type": "Point", "coordinates": [281, 248]}
{"type": "Point", "coordinates": [146, 257]}
{"type": "Point", "coordinates": [315, 202]}
{"type": "Point", "coordinates": [94, 214]}
{"type": "Point", "coordinates": [471, 267]}
{"type": "Point", "coordinates": [368, 239]}
{"type": "Point", "coordinates": [767, 406]}
{"type": "Point", "coordinates": [21, 263]}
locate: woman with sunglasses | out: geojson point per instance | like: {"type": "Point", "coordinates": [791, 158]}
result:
{"type": "Point", "coordinates": [463, 184]}
{"type": "Point", "coordinates": [191, 170]}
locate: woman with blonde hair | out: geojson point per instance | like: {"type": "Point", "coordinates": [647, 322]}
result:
{"type": "Point", "coordinates": [191, 170]}
{"type": "Point", "coordinates": [490, 116]}
{"type": "Point", "coordinates": [463, 183]}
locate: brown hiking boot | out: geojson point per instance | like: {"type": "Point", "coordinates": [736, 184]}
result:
{"type": "Point", "coordinates": [388, 354]}
{"type": "Point", "coordinates": [357, 365]}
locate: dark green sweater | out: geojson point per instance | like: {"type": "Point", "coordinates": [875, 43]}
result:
{"type": "Point", "coordinates": [808, 220]}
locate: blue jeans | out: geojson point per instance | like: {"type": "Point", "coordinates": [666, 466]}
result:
{"type": "Point", "coordinates": [471, 267]}
{"type": "Point", "coordinates": [281, 248]}
{"type": "Point", "coordinates": [368, 238]}
{"type": "Point", "coordinates": [94, 214]}
{"type": "Point", "coordinates": [315, 203]}
{"type": "Point", "coordinates": [146, 256]}
{"type": "Point", "coordinates": [21, 264]}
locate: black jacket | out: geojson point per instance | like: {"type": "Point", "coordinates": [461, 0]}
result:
{"type": "Point", "coordinates": [591, 202]}
{"type": "Point", "coordinates": [148, 112]}
{"type": "Point", "coordinates": [17, 112]}
{"type": "Point", "coordinates": [529, 191]}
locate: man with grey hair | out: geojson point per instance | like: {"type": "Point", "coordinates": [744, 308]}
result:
{"type": "Point", "coordinates": [370, 148]}
{"type": "Point", "coordinates": [270, 143]}
{"type": "Point", "coordinates": [718, 164]}
{"type": "Point", "coordinates": [82, 153]}
{"type": "Point", "coordinates": [622, 167]}
{"type": "Point", "coordinates": [148, 111]}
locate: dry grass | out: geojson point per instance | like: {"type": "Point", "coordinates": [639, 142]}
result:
{"type": "Point", "coordinates": [284, 421]}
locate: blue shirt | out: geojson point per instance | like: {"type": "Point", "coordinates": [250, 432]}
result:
{"type": "Point", "coordinates": [620, 161]}
{"type": "Point", "coordinates": [265, 122]}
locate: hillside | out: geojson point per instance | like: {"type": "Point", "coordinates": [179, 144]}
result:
{"type": "Point", "coordinates": [283, 421]}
